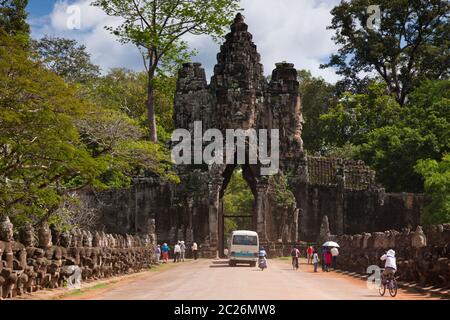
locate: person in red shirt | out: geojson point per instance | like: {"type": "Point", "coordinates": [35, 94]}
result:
{"type": "Point", "coordinates": [328, 258]}
{"type": "Point", "coordinates": [309, 253]}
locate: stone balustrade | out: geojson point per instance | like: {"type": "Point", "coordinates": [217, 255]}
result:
{"type": "Point", "coordinates": [45, 259]}
{"type": "Point", "coordinates": [423, 255]}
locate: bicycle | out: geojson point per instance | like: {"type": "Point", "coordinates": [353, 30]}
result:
{"type": "Point", "coordinates": [391, 283]}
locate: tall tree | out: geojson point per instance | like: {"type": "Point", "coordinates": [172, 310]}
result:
{"type": "Point", "coordinates": [67, 59]}
{"type": "Point", "coordinates": [13, 16]}
{"type": "Point", "coordinates": [125, 90]}
{"type": "Point", "coordinates": [412, 43]}
{"type": "Point", "coordinates": [157, 28]}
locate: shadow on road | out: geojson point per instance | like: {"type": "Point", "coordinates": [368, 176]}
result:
{"type": "Point", "coordinates": [224, 264]}
{"type": "Point", "coordinates": [221, 262]}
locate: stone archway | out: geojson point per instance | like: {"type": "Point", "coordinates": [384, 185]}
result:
{"type": "Point", "coordinates": [251, 181]}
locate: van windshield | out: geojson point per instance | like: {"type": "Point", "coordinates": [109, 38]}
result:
{"type": "Point", "coordinates": [242, 240]}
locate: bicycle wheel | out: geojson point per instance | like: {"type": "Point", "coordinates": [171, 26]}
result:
{"type": "Point", "coordinates": [382, 289]}
{"type": "Point", "coordinates": [393, 288]}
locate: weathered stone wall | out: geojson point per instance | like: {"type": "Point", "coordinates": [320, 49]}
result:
{"type": "Point", "coordinates": [423, 256]}
{"type": "Point", "coordinates": [362, 210]}
{"type": "Point", "coordinates": [180, 211]}
{"type": "Point", "coordinates": [346, 191]}
{"type": "Point", "coordinates": [48, 259]}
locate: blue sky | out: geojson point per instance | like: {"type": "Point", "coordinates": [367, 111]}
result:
{"type": "Point", "coordinates": [284, 30]}
{"type": "Point", "coordinates": [38, 8]}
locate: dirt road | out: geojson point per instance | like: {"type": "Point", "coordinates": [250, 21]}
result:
{"type": "Point", "coordinates": [215, 280]}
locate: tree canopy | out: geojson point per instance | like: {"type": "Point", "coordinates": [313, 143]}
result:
{"type": "Point", "coordinates": [13, 16]}
{"type": "Point", "coordinates": [411, 44]}
{"type": "Point", "coordinates": [66, 58]}
{"type": "Point", "coordinates": [54, 141]}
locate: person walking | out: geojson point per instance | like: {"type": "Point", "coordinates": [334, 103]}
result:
{"type": "Point", "coordinates": [158, 253]}
{"type": "Point", "coordinates": [322, 258]}
{"type": "Point", "coordinates": [315, 260]}
{"type": "Point", "coordinates": [309, 253]}
{"type": "Point", "coordinates": [176, 252]}
{"type": "Point", "coordinates": [328, 258]}
{"type": "Point", "coordinates": [295, 254]}
{"type": "Point", "coordinates": [183, 250]}
{"type": "Point", "coordinates": [165, 252]}
{"type": "Point", "coordinates": [194, 249]}
{"type": "Point", "coordinates": [334, 254]}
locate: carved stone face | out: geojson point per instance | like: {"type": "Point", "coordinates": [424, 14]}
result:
{"type": "Point", "coordinates": [151, 226]}
{"type": "Point", "coordinates": [96, 241]}
{"type": "Point", "coordinates": [27, 235]}
{"type": "Point", "coordinates": [45, 236]}
{"type": "Point", "coordinates": [65, 239]}
{"type": "Point", "coordinates": [6, 229]}
{"type": "Point", "coordinates": [87, 239]}
{"type": "Point", "coordinates": [76, 238]}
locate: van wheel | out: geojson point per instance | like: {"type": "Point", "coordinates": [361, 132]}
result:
{"type": "Point", "coordinates": [252, 264]}
{"type": "Point", "coordinates": [232, 263]}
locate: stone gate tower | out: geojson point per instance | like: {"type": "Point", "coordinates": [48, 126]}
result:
{"type": "Point", "coordinates": [239, 97]}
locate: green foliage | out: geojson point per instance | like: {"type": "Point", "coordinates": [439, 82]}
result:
{"type": "Point", "coordinates": [125, 91]}
{"type": "Point", "coordinates": [13, 17]}
{"type": "Point", "coordinates": [165, 87]}
{"type": "Point", "coordinates": [347, 151]}
{"type": "Point", "coordinates": [280, 194]}
{"type": "Point", "coordinates": [393, 151]}
{"type": "Point", "coordinates": [391, 138]}
{"type": "Point", "coordinates": [54, 141]}
{"type": "Point", "coordinates": [39, 145]}
{"type": "Point", "coordinates": [358, 114]}
{"type": "Point", "coordinates": [66, 58]}
{"type": "Point", "coordinates": [122, 90]}
{"type": "Point", "coordinates": [318, 97]}
{"type": "Point", "coordinates": [411, 44]}
{"type": "Point", "coordinates": [437, 184]}
{"type": "Point", "coordinates": [237, 201]}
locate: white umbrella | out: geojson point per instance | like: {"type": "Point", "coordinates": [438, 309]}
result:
{"type": "Point", "coordinates": [330, 244]}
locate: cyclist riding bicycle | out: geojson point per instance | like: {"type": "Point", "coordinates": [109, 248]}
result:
{"type": "Point", "coordinates": [295, 253]}
{"type": "Point", "coordinates": [390, 266]}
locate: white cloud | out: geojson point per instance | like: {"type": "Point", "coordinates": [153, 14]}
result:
{"type": "Point", "coordinates": [293, 31]}
{"type": "Point", "coordinates": [284, 30]}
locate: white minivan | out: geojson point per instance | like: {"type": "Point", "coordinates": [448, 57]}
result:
{"type": "Point", "coordinates": [243, 247]}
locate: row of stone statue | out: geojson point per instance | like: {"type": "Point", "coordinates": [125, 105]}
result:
{"type": "Point", "coordinates": [44, 259]}
{"type": "Point", "coordinates": [422, 256]}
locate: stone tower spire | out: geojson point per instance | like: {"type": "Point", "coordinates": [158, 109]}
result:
{"type": "Point", "coordinates": [238, 82]}
{"type": "Point", "coordinates": [192, 98]}
{"type": "Point", "coordinates": [284, 111]}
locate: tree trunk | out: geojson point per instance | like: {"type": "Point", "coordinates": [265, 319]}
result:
{"type": "Point", "coordinates": [151, 106]}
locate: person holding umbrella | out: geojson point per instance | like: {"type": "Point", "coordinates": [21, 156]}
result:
{"type": "Point", "coordinates": [330, 254]}
{"type": "Point", "coordinates": [334, 254]}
